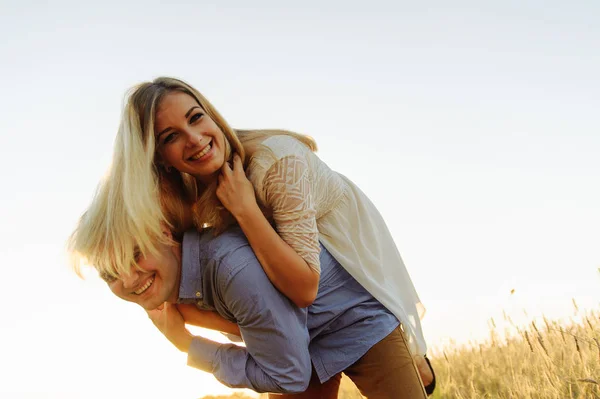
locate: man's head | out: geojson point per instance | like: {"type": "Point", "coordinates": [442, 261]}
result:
{"type": "Point", "coordinates": [106, 238]}
{"type": "Point", "coordinates": [153, 279]}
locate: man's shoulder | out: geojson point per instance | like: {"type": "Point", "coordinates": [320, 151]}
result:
{"type": "Point", "coordinates": [229, 250]}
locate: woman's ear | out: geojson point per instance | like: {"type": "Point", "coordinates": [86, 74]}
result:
{"type": "Point", "coordinates": [166, 231]}
{"type": "Point", "coordinates": [160, 163]}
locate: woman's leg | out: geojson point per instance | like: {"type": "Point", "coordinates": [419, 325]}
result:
{"type": "Point", "coordinates": [426, 372]}
{"type": "Point", "coordinates": [316, 390]}
{"type": "Point", "coordinates": [387, 370]}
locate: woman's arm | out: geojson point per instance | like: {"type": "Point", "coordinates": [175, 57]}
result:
{"type": "Point", "coordinates": [286, 269]}
{"type": "Point", "coordinates": [207, 319]}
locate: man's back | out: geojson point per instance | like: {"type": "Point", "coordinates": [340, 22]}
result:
{"type": "Point", "coordinates": [343, 322]}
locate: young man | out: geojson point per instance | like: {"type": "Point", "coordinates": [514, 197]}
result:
{"type": "Point", "coordinates": [288, 349]}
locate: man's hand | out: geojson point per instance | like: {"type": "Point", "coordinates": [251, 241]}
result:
{"type": "Point", "coordinates": [170, 322]}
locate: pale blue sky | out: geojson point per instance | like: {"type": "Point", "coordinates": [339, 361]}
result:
{"type": "Point", "coordinates": [474, 128]}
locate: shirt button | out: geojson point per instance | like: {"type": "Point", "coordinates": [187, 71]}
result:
{"type": "Point", "coordinates": [198, 294]}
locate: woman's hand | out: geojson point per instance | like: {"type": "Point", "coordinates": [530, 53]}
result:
{"type": "Point", "coordinates": [235, 191]}
{"type": "Point", "coordinates": [169, 321]}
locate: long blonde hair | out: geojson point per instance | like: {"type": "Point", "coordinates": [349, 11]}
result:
{"type": "Point", "coordinates": [138, 196]}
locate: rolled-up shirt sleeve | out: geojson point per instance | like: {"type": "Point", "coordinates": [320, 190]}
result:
{"type": "Point", "coordinates": [276, 357]}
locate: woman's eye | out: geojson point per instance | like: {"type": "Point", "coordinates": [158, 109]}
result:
{"type": "Point", "coordinates": [196, 117]}
{"type": "Point", "coordinates": [170, 137]}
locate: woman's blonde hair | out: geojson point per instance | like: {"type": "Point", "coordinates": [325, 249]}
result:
{"type": "Point", "coordinates": [138, 196]}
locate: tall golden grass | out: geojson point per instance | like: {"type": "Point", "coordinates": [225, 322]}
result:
{"type": "Point", "coordinates": [546, 359]}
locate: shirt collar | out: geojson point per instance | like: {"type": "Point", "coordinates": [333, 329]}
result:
{"type": "Point", "coordinates": [190, 286]}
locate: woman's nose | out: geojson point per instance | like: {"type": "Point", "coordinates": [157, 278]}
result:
{"type": "Point", "coordinates": [194, 139]}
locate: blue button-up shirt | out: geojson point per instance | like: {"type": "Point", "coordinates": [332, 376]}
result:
{"type": "Point", "coordinates": [282, 341]}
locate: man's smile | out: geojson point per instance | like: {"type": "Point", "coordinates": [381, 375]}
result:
{"type": "Point", "coordinates": [145, 287]}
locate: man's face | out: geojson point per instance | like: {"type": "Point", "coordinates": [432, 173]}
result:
{"type": "Point", "coordinates": [157, 281]}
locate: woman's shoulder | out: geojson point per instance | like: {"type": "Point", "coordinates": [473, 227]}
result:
{"type": "Point", "coordinates": [281, 146]}
{"type": "Point", "coordinates": [274, 150]}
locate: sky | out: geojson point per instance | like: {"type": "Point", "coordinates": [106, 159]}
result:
{"type": "Point", "coordinates": [473, 127]}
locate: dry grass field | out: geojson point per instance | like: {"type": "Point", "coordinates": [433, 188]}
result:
{"type": "Point", "coordinates": [545, 360]}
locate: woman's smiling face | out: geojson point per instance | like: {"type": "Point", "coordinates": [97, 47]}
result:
{"type": "Point", "coordinates": [187, 139]}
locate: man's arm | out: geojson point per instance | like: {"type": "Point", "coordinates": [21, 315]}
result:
{"type": "Point", "coordinates": [276, 357]}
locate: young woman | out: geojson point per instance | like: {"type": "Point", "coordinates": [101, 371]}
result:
{"type": "Point", "coordinates": [182, 164]}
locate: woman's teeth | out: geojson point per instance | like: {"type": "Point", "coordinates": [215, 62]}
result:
{"type": "Point", "coordinates": [145, 287]}
{"type": "Point", "coordinates": [201, 153]}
